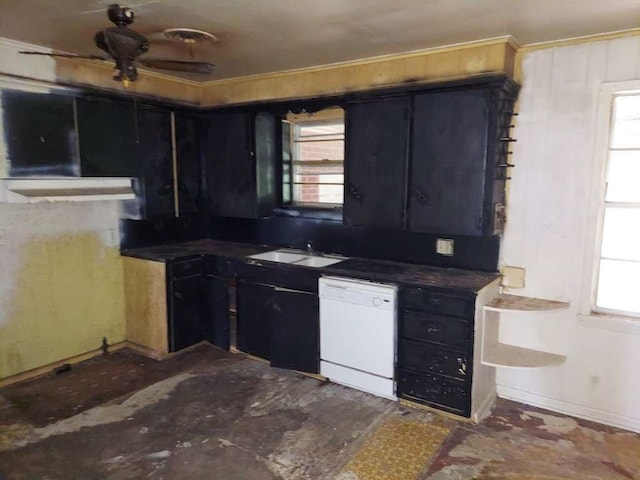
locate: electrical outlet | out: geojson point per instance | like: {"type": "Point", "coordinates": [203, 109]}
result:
{"type": "Point", "coordinates": [444, 246]}
{"type": "Point", "coordinates": [111, 237]}
{"type": "Point", "coordinates": [512, 277]}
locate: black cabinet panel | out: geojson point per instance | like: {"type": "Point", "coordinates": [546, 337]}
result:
{"type": "Point", "coordinates": [376, 163]}
{"type": "Point", "coordinates": [430, 301]}
{"type": "Point", "coordinates": [295, 331]}
{"type": "Point", "coordinates": [188, 322]}
{"type": "Point", "coordinates": [241, 162]}
{"type": "Point", "coordinates": [254, 309]}
{"type": "Point", "coordinates": [448, 162]}
{"type": "Point", "coordinates": [435, 328]}
{"type": "Point", "coordinates": [217, 298]}
{"type": "Point", "coordinates": [185, 268]}
{"type": "Point", "coordinates": [154, 136]}
{"type": "Point", "coordinates": [439, 392]}
{"type": "Point", "coordinates": [431, 359]}
{"type": "Point", "coordinates": [188, 133]}
{"type": "Point", "coordinates": [107, 138]}
{"type": "Point", "coordinates": [231, 165]}
{"type": "Point", "coordinates": [40, 133]}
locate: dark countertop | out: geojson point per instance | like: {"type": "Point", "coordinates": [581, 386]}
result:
{"type": "Point", "coordinates": [376, 270]}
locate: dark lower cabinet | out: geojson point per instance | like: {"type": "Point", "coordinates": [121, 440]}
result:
{"type": "Point", "coordinates": [217, 299]}
{"type": "Point", "coordinates": [435, 349]}
{"type": "Point", "coordinates": [295, 334]}
{"type": "Point", "coordinates": [188, 322]}
{"type": "Point", "coordinates": [439, 392]}
{"type": "Point", "coordinates": [280, 325]}
{"type": "Point", "coordinates": [253, 335]}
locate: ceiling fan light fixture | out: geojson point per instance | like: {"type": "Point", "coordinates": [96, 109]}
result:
{"type": "Point", "coordinates": [189, 35]}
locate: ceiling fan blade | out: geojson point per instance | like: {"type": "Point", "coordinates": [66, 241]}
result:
{"type": "Point", "coordinates": [67, 55]}
{"type": "Point", "coordinates": [177, 65]}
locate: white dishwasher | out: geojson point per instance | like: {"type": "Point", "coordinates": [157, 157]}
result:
{"type": "Point", "coordinates": [358, 334]}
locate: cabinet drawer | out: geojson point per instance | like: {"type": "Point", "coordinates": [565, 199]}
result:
{"type": "Point", "coordinates": [435, 391]}
{"type": "Point", "coordinates": [435, 328]}
{"type": "Point", "coordinates": [185, 268]}
{"type": "Point", "coordinates": [431, 301]}
{"type": "Point", "coordinates": [430, 359]}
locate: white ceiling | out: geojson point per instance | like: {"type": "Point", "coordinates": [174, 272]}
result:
{"type": "Point", "coordinates": [260, 36]}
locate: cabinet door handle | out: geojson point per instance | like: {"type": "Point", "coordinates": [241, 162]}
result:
{"type": "Point", "coordinates": [166, 189]}
{"type": "Point", "coordinates": [182, 188]}
{"type": "Point", "coordinates": [244, 187]}
{"type": "Point", "coordinates": [422, 197]}
{"type": "Point", "coordinates": [354, 193]}
{"type": "Point", "coordinates": [289, 290]}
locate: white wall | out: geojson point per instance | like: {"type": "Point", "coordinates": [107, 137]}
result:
{"type": "Point", "coordinates": [551, 230]}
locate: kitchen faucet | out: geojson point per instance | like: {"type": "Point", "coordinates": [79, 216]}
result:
{"type": "Point", "coordinates": [309, 247]}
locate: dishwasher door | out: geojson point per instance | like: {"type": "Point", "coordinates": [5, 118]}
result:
{"type": "Point", "coordinates": [358, 333]}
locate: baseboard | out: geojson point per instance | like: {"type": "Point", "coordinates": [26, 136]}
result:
{"type": "Point", "coordinates": [484, 410]}
{"type": "Point", "coordinates": [46, 369]}
{"type": "Point", "coordinates": [580, 411]}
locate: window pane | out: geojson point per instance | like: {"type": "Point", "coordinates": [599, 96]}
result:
{"type": "Point", "coordinates": [626, 122]}
{"type": "Point", "coordinates": [313, 129]}
{"type": "Point", "coordinates": [314, 151]}
{"type": "Point", "coordinates": [618, 286]}
{"type": "Point", "coordinates": [623, 176]}
{"type": "Point", "coordinates": [621, 233]}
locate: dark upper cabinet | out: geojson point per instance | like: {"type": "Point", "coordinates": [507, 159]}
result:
{"type": "Point", "coordinates": [107, 138]}
{"type": "Point", "coordinates": [459, 146]}
{"type": "Point", "coordinates": [241, 164]}
{"type": "Point", "coordinates": [448, 162]}
{"type": "Point", "coordinates": [155, 151]}
{"type": "Point", "coordinates": [189, 133]}
{"type": "Point", "coordinates": [295, 330]}
{"type": "Point", "coordinates": [376, 162]}
{"type": "Point", "coordinates": [40, 133]}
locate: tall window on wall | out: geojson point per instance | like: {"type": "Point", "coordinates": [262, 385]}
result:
{"type": "Point", "coordinates": [618, 278]}
{"type": "Point", "coordinates": [313, 159]}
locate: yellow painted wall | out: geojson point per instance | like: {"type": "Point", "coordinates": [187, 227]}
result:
{"type": "Point", "coordinates": [427, 66]}
{"type": "Point", "coordinates": [61, 283]}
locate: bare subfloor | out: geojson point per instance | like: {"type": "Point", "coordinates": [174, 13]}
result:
{"type": "Point", "coordinates": [207, 414]}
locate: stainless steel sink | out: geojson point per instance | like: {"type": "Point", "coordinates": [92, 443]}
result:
{"type": "Point", "coordinates": [280, 256]}
{"type": "Point", "coordinates": [298, 257]}
{"type": "Point", "coordinates": [317, 261]}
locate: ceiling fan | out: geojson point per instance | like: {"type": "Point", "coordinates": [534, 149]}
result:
{"type": "Point", "coordinates": [124, 46]}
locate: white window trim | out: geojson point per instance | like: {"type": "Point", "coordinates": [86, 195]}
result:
{"type": "Point", "coordinates": [330, 116]}
{"type": "Point", "coordinates": [589, 315]}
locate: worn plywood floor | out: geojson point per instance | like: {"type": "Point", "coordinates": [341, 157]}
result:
{"type": "Point", "coordinates": [207, 414]}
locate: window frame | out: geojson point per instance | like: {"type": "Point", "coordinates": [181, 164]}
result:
{"type": "Point", "coordinates": [331, 114]}
{"type": "Point", "coordinates": [603, 129]}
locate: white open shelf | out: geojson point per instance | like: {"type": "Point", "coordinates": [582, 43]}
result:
{"type": "Point", "coordinates": [516, 303]}
{"type": "Point", "coordinates": [496, 354]}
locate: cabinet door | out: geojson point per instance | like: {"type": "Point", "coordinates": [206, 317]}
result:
{"type": "Point", "coordinates": [188, 322]}
{"type": "Point", "coordinates": [376, 163]}
{"type": "Point", "coordinates": [217, 308]}
{"type": "Point", "coordinates": [295, 331]}
{"type": "Point", "coordinates": [40, 133]}
{"type": "Point", "coordinates": [448, 162]}
{"type": "Point", "coordinates": [188, 133]}
{"type": "Point", "coordinates": [107, 138]}
{"type": "Point", "coordinates": [253, 305]}
{"type": "Point", "coordinates": [155, 150]}
{"type": "Point", "coordinates": [231, 165]}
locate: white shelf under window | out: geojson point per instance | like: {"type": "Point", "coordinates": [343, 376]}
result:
{"type": "Point", "coordinates": [496, 354]}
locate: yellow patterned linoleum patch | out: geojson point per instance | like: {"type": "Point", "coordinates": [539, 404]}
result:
{"type": "Point", "coordinates": [398, 450]}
